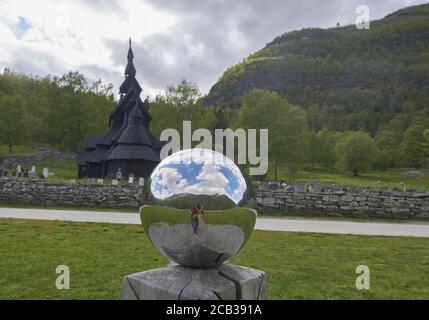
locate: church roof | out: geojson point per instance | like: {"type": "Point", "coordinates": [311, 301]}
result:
{"type": "Point", "coordinates": [128, 136]}
{"type": "Point", "coordinates": [90, 141]}
{"type": "Point", "coordinates": [135, 152]}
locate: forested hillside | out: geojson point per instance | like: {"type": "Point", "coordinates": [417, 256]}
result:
{"type": "Point", "coordinates": [57, 111]}
{"type": "Point", "coordinates": [348, 79]}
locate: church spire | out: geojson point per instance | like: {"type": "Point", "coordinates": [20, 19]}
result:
{"type": "Point", "coordinates": [130, 70]}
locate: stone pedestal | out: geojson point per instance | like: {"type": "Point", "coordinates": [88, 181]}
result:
{"type": "Point", "coordinates": [175, 282]}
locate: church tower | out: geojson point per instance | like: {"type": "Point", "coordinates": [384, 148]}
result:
{"type": "Point", "coordinates": [128, 145]}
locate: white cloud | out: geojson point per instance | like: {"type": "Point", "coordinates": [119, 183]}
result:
{"type": "Point", "coordinates": [174, 39]}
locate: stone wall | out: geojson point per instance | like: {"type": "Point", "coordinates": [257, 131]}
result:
{"type": "Point", "coordinates": [37, 158]}
{"type": "Point", "coordinates": [346, 202]}
{"type": "Point", "coordinates": [52, 194]}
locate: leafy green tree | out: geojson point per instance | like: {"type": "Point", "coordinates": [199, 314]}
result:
{"type": "Point", "coordinates": [322, 149]}
{"type": "Point", "coordinates": [287, 125]}
{"type": "Point", "coordinates": [387, 143]}
{"type": "Point", "coordinates": [413, 147]}
{"type": "Point", "coordinates": [13, 124]}
{"type": "Point", "coordinates": [356, 152]}
{"type": "Point", "coordinates": [180, 103]}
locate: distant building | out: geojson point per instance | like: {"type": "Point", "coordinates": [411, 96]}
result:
{"type": "Point", "coordinates": [128, 145]}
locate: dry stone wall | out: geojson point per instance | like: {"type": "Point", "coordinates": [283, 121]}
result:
{"type": "Point", "coordinates": [346, 202]}
{"type": "Point", "coordinates": [61, 194]}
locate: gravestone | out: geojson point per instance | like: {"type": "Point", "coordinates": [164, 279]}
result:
{"type": "Point", "coordinates": [141, 182]}
{"type": "Point", "coordinates": [300, 188]}
{"type": "Point", "coordinates": [91, 181]}
{"type": "Point", "coordinates": [130, 180]}
{"type": "Point", "coordinates": [290, 188]}
{"type": "Point", "coordinates": [119, 175]}
{"type": "Point", "coordinates": [18, 169]}
{"type": "Point", "coordinates": [273, 186]}
{"type": "Point", "coordinates": [100, 181]}
{"type": "Point", "coordinates": [414, 174]}
{"type": "Point", "coordinates": [45, 172]}
{"type": "Point", "coordinates": [73, 181]}
{"type": "Point", "coordinates": [33, 169]}
{"type": "Point", "coordinates": [5, 173]}
{"type": "Point", "coordinates": [115, 182]}
{"type": "Point", "coordinates": [315, 187]}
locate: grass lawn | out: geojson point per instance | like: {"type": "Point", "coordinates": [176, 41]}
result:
{"type": "Point", "coordinates": [20, 150]}
{"type": "Point", "coordinates": [299, 266]}
{"type": "Point", "coordinates": [390, 178]}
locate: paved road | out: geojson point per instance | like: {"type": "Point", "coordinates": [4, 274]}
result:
{"type": "Point", "coordinates": [283, 224]}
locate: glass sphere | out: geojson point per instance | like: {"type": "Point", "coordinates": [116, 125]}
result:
{"type": "Point", "coordinates": [197, 219]}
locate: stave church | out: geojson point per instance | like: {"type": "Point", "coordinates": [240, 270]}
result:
{"type": "Point", "coordinates": [128, 146]}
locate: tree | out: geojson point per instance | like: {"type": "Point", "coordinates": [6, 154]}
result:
{"type": "Point", "coordinates": [180, 103]}
{"type": "Point", "coordinates": [13, 125]}
{"type": "Point", "coordinates": [413, 148]}
{"type": "Point", "coordinates": [387, 143]}
{"type": "Point", "coordinates": [287, 126]}
{"type": "Point", "coordinates": [356, 152]}
{"type": "Point", "coordinates": [322, 149]}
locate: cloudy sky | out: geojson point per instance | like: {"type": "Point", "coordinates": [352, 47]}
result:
{"type": "Point", "coordinates": [172, 39]}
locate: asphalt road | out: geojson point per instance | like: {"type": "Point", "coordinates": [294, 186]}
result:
{"type": "Point", "coordinates": [412, 229]}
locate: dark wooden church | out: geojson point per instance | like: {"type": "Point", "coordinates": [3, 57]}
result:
{"type": "Point", "coordinates": [128, 146]}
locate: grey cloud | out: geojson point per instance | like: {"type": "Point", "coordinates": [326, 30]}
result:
{"type": "Point", "coordinates": [226, 30]}
{"type": "Point", "coordinates": [213, 24]}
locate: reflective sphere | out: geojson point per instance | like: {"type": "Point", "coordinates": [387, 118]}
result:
{"type": "Point", "coordinates": [197, 220]}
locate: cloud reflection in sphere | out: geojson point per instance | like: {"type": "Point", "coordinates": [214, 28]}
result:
{"type": "Point", "coordinates": [198, 175]}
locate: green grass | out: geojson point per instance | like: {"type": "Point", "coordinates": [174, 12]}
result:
{"type": "Point", "coordinates": [63, 169]}
{"type": "Point", "coordinates": [299, 266]}
{"type": "Point", "coordinates": [20, 150]}
{"type": "Point", "coordinates": [390, 178]}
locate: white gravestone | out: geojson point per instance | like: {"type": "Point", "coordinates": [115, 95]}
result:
{"type": "Point", "coordinates": [33, 169]}
{"type": "Point", "coordinates": [45, 172]}
{"type": "Point", "coordinates": [130, 180]}
{"type": "Point", "coordinates": [18, 169]}
{"type": "Point", "coordinates": [141, 182]}
{"type": "Point", "coordinates": [100, 181]}
{"type": "Point", "coordinates": [115, 182]}
{"type": "Point", "coordinates": [119, 175]}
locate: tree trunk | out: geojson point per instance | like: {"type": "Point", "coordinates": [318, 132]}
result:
{"type": "Point", "coordinates": [276, 164]}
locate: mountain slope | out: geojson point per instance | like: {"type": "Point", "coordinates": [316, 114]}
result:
{"type": "Point", "coordinates": [375, 70]}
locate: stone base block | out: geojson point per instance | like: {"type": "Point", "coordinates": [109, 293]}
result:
{"type": "Point", "coordinates": [175, 282]}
